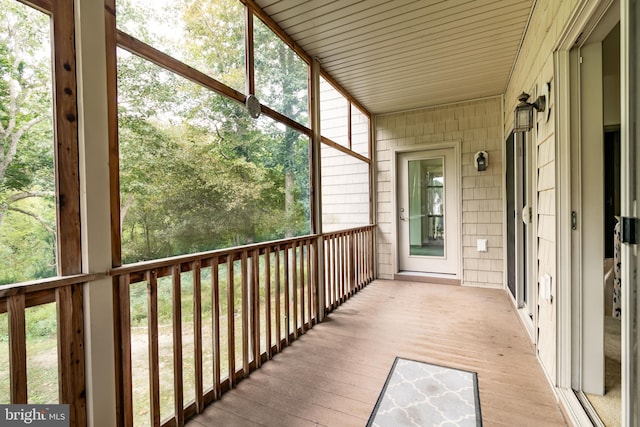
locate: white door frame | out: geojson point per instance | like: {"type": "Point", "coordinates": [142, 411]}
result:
{"type": "Point", "coordinates": [569, 360]}
{"type": "Point", "coordinates": [527, 263]}
{"type": "Point", "coordinates": [395, 152]}
{"type": "Point", "coordinates": [630, 153]}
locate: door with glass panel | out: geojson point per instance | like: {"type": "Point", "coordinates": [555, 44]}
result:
{"type": "Point", "coordinates": [427, 209]}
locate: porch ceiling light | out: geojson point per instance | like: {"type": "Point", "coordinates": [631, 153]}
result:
{"type": "Point", "coordinates": [524, 112]}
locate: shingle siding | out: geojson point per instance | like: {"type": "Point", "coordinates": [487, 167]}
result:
{"type": "Point", "coordinates": [477, 125]}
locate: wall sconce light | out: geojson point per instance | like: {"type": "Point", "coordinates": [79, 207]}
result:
{"type": "Point", "coordinates": [524, 112]}
{"type": "Point", "coordinates": [481, 160]}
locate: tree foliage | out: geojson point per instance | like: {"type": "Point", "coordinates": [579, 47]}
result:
{"type": "Point", "coordinates": [27, 185]}
{"type": "Point", "coordinates": [197, 173]}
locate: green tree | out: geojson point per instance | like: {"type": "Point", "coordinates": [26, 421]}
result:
{"type": "Point", "coordinates": [27, 186]}
{"type": "Point", "coordinates": [196, 172]}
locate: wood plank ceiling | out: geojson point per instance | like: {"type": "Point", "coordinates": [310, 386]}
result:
{"type": "Point", "coordinates": [395, 55]}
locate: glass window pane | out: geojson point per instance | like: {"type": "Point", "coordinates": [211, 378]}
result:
{"type": "Point", "coordinates": [282, 77]}
{"type": "Point", "coordinates": [359, 131]}
{"type": "Point", "coordinates": [426, 207]}
{"type": "Point", "coordinates": [27, 177]}
{"type": "Point", "coordinates": [207, 35]}
{"type": "Point", "coordinates": [197, 173]}
{"type": "Point", "coordinates": [334, 117]}
{"type": "Point", "coordinates": [345, 190]}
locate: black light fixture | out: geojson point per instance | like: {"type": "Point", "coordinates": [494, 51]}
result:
{"type": "Point", "coordinates": [481, 160]}
{"type": "Point", "coordinates": [524, 112]}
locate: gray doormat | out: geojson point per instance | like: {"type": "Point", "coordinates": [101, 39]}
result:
{"type": "Point", "coordinates": [422, 394]}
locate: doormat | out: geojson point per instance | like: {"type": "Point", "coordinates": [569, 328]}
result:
{"type": "Point", "coordinates": [422, 394]}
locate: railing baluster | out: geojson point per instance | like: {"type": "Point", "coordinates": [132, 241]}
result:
{"type": "Point", "coordinates": [278, 302]}
{"type": "Point", "coordinates": [286, 295]}
{"type": "Point", "coordinates": [17, 348]}
{"type": "Point", "coordinates": [197, 333]}
{"type": "Point", "coordinates": [340, 270]}
{"type": "Point", "coordinates": [294, 275]}
{"type": "Point", "coordinates": [370, 254]}
{"type": "Point", "coordinates": [357, 250]}
{"type": "Point", "coordinates": [352, 264]}
{"type": "Point", "coordinates": [154, 362]}
{"type": "Point", "coordinates": [267, 299]}
{"type": "Point", "coordinates": [178, 384]}
{"type": "Point", "coordinates": [348, 267]}
{"type": "Point", "coordinates": [255, 286]}
{"type": "Point", "coordinates": [317, 305]}
{"type": "Point", "coordinates": [303, 285]}
{"type": "Point", "coordinates": [335, 267]}
{"type": "Point", "coordinates": [215, 305]}
{"type": "Point", "coordinates": [125, 329]}
{"type": "Point", "coordinates": [231, 336]}
{"type": "Point", "coordinates": [362, 242]}
{"type": "Point", "coordinates": [308, 282]}
{"type": "Point", "coordinates": [245, 314]}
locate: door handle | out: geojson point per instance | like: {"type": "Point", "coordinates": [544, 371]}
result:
{"type": "Point", "coordinates": [403, 218]}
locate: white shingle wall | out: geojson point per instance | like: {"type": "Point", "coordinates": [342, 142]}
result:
{"type": "Point", "coordinates": [477, 125]}
{"type": "Point", "coordinates": [345, 179]}
{"type": "Point", "coordinates": [359, 132]}
{"type": "Point", "coordinates": [533, 69]}
{"type": "Point", "coordinates": [345, 190]}
{"type": "Point", "coordinates": [334, 122]}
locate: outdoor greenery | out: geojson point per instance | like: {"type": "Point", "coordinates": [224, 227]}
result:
{"type": "Point", "coordinates": [196, 172]}
{"type": "Point", "coordinates": [27, 185]}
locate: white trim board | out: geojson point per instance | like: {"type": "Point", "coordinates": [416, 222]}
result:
{"type": "Point", "coordinates": [456, 146]}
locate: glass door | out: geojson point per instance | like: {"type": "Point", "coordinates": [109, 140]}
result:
{"type": "Point", "coordinates": [428, 235]}
{"type": "Point", "coordinates": [426, 207]}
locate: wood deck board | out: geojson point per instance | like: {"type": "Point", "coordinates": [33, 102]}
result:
{"type": "Point", "coordinates": [333, 374]}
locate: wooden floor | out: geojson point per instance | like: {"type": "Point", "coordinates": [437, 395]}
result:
{"type": "Point", "coordinates": [332, 375]}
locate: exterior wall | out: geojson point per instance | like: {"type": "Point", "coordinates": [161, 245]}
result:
{"type": "Point", "coordinates": [345, 190]}
{"type": "Point", "coordinates": [477, 124]}
{"type": "Point", "coordinates": [345, 179]}
{"type": "Point", "coordinates": [534, 68]}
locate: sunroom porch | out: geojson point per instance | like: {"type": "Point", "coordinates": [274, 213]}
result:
{"type": "Point", "coordinates": [148, 313]}
{"type": "Point", "coordinates": [333, 374]}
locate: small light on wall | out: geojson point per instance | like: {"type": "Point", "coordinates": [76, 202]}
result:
{"type": "Point", "coordinates": [481, 161]}
{"type": "Point", "coordinates": [524, 112]}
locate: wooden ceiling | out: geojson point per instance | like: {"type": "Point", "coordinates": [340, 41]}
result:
{"type": "Point", "coordinates": [395, 55]}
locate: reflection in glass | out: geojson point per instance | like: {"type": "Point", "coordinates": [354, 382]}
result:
{"type": "Point", "coordinates": [426, 207]}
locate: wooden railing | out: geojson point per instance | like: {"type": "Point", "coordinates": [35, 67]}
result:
{"type": "Point", "coordinates": [348, 264]}
{"type": "Point", "coordinates": [191, 327]}
{"type": "Point", "coordinates": [66, 370]}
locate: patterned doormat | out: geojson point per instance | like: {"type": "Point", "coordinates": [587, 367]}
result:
{"type": "Point", "coordinates": [421, 394]}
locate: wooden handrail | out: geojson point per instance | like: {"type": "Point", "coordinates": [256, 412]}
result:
{"type": "Point", "coordinates": [235, 252]}
{"type": "Point", "coordinates": [67, 295]}
{"type": "Point", "coordinates": [46, 284]}
{"type": "Point", "coordinates": [271, 292]}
